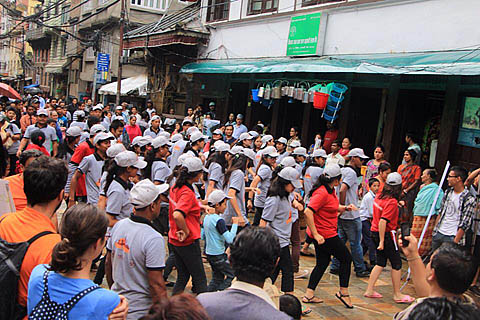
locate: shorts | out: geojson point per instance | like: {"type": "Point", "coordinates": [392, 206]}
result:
{"type": "Point", "coordinates": [389, 251]}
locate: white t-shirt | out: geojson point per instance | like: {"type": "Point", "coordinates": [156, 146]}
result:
{"type": "Point", "coordinates": [449, 226]}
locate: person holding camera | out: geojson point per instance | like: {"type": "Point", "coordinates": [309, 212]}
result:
{"type": "Point", "coordinates": [384, 225]}
{"type": "Point", "coordinates": [448, 274]}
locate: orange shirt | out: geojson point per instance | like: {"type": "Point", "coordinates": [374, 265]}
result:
{"type": "Point", "coordinates": [21, 226]}
{"type": "Point", "coordinates": [16, 188]}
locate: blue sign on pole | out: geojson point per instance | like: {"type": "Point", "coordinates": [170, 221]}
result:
{"type": "Point", "coordinates": [103, 64]}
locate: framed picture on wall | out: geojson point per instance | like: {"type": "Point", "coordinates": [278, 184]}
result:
{"type": "Point", "coordinates": [469, 132]}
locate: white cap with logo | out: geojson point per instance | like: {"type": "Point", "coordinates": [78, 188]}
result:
{"type": "Point", "coordinates": [265, 139]}
{"type": "Point", "coordinates": [282, 140]}
{"type": "Point", "coordinates": [292, 175]}
{"type": "Point", "coordinates": [74, 131]}
{"type": "Point", "coordinates": [332, 171]}
{"type": "Point", "coordinates": [300, 151]}
{"type": "Point", "coordinates": [235, 150]}
{"type": "Point", "coordinates": [394, 179]}
{"type": "Point", "coordinates": [319, 153]}
{"type": "Point", "coordinates": [102, 136]}
{"type": "Point", "coordinates": [221, 147]}
{"type": "Point", "coordinates": [145, 192]}
{"type": "Point", "coordinates": [216, 196]}
{"type": "Point", "coordinates": [196, 136]}
{"type": "Point", "coordinates": [160, 142]}
{"type": "Point", "coordinates": [270, 151]}
{"type": "Point", "coordinates": [129, 159]}
{"type": "Point", "coordinates": [183, 157]}
{"type": "Point", "coordinates": [245, 136]}
{"type": "Point", "coordinates": [176, 137]}
{"type": "Point", "coordinates": [249, 153]}
{"type": "Point", "coordinates": [194, 164]}
{"type": "Point", "coordinates": [96, 128]}
{"type": "Point", "coordinates": [295, 144]}
{"type": "Point", "coordinates": [288, 161]}
{"type": "Point", "coordinates": [115, 149]}
{"type": "Point", "coordinates": [357, 152]}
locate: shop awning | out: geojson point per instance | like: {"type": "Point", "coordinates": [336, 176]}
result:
{"type": "Point", "coordinates": [462, 62]}
{"type": "Point", "coordinates": [55, 67]}
{"type": "Point", "coordinates": [131, 86]}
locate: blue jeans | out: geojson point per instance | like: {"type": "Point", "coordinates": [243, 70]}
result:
{"type": "Point", "coordinates": [351, 230]}
{"type": "Point", "coordinates": [222, 273]}
{"type": "Point", "coordinates": [439, 238]}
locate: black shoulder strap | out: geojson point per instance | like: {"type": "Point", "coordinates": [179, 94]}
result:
{"type": "Point", "coordinates": [37, 236]}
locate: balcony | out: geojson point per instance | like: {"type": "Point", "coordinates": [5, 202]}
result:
{"type": "Point", "coordinates": [35, 34]}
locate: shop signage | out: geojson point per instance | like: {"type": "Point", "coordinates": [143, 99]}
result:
{"type": "Point", "coordinates": [103, 64]}
{"type": "Point", "coordinates": [306, 35]}
{"type": "Point", "coordinates": [469, 132]}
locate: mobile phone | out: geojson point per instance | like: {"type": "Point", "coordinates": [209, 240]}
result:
{"type": "Point", "coordinates": [405, 228]}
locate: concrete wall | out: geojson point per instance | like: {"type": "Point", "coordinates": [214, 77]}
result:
{"type": "Point", "coordinates": [379, 27]}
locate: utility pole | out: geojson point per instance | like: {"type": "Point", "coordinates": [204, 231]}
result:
{"type": "Point", "coordinates": [22, 56]}
{"type": "Point", "coordinates": [94, 86]}
{"type": "Point", "coordinates": [120, 53]}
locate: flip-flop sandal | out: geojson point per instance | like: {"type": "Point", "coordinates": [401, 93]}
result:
{"type": "Point", "coordinates": [307, 254]}
{"type": "Point", "coordinates": [375, 295]}
{"type": "Point", "coordinates": [311, 300]}
{"type": "Point", "coordinates": [406, 300]}
{"type": "Point", "coordinates": [306, 310]}
{"type": "Point", "coordinates": [340, 297]}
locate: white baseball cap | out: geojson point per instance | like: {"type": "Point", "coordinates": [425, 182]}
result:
{"type": "Point", "coordinates": [319, 153]}
{"type": "Point", "coordinates": [76, 114]}
{"type": "Point", "coordinates": [160, 142]}
{"type": "Point", "coordinates": [332, 171]}
{"type": "Point", "coordinates": [183, 157]}
{"type": "Point", "coordinates": [216, 196]}
{"type": "Point", "coordinates": [357, 152]}
{"type": "Point", "coordinates": [265, 139]}
{"type": "Point", "coordinates": [96, 128]}
{"type": "Point", "coordinates": [196, 136]}
{"type": "Point", "coordinates": [270, 151]}
{"type": "Point", "coordinates": [292, 175]}
{"type": "Point", "coordinates": [145, 141]}
{"type": "Point", "coordinates": [191, 130]}
{"type": "Point", "coordinates": [288, 161]}
{"type": "Point", "coordinates": [145, 192]}
{"type": "Point", "coordinates": [102, 136]}
{"type": "Point", "coordinates": [187, 120]}
{"type": "Point", "coordinates": [98, 107]}
{"type": "Point", "coordinates": [155, 117]}
{"type": "Point", "coordinates": [129, 159]}
{"type": "Point", "coordinates": [118, 118]}
{"type": "Point", "coordinates": [43, 112]}
{"type": "Point", "coordinates": [220, 147]}
{"type": "Point", "coordinates": [235, 150]}
{"type": "Point", "coordinates": [217, 131]}
{"type": "Point", "coordinates": [176, 137]}
{"type": "Point", "coordinates": [295, 144]}
{"type": "Point", "coordinates": [115, 149]}
{"type": "Point", "coordinates": [74, 131]}
{"type": "Point", "coordinates": [218, 143]}
{"type": "Point", "coordinates": [253, 133]}
{"type": "Point", "coordinates": [394, 179]}
{"type": "Point", "coordinates": [194, 164]}
{"type": "Point", "coordinates": [300, 151]}
{"type": "Point", "coordinates": [245, 136]}
{"type": "Point", "coordinates": [136, 140]}
{"type": "Point", "coordinates": [164, 134]}
{"type": "Point", "coordinates": [249, 153]}
{"type": "Point", "coordinates": [282, 140]}
{"type": "Point", "coordinates": [118, 108]}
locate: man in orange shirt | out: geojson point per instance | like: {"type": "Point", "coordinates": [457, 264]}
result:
{"type": "Point", "coordinates": [29, 118]}
{"type": "Point", "coordinates": [44, 179]}
{"type": "Point", "coordinates": [16, 181]}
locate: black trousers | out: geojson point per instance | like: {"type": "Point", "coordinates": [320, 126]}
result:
{"type": "Point", "coordinates": [323, 253]}
{"type": "Point", "coordinates": [188, 260]}
{"type": "Point", "coordinates": [170, 263]}
{"type": "Point", "coordinates": [286, 266]}
{"type": "Point", "coordinates": [258, 216]}
{"type": "Point", "coordinates": [13, 164]}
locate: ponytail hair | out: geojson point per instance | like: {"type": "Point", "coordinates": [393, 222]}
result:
{"type": "Point", "coordinates": [310, 162]}
{"type": "Point", "coordinates": [262, 161]}
{"type": "Point", "coordinates": [114, 171]}
{"type": "Point", "coordinates": [147, 172]}
{"type": "Point", "coordinates": [323, 181]}
{"type": "Point", "coordinates": [184, 176]}
{"type": "Point", "coordinates": [239, 162]}
{"type": "Point", "coordinates": [81, 227]}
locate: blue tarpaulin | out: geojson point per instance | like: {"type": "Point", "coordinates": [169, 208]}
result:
{"type": "Point", "coordinates": [31, 86]}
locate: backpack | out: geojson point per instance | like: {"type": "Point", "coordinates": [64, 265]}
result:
{"type": "Point", "coordinates": [11, 258]}
{"type": "Point", "coordinates": [47, 309]}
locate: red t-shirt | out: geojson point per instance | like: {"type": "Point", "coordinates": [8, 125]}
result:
{"type": "Point", "coordinates": [328, 139]}
{"type": "Point", "coordinates": [41, 148]}
{"type": "Point", "coordinates": [184, 200]}
{"type": "Point", "coordinates": [386, 209]}
{"type": "Point", "coordinates": [325, 212]}
{"type": "Point", "coordinates": [133, 131]}
{"type": "Point", "coordinates": [84, 149]}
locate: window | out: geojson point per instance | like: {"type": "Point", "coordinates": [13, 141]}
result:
{"type": "Point", "coordinates": [88, 6]}
{"type": "Point", "coordinates": [306, 3]}
{"type": "Point", "coordinates": [152, 4]}
{"type": "Point", "coordinates": [65, 14]}
{"type": "Point", "coordinates": [218, 10]}
{"type": "Point", "coordinates": [64, 47]}
{"type": "Point", "coordinates": [262, 6]}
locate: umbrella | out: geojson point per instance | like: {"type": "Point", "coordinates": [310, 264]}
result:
{"type": "Point", "coordinates": [6, 90]}
{"type": "Point", "coordinates": [33, 90]}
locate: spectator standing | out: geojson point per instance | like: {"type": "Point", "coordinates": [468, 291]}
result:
{"type": "Point", "coordinates": [346, 145]}
{"type": "Point", "coordinates": [246, 299]}
{"type": "Point", "coordinates": [335, 157]}
{"type": "Point", "coordinates": [136, 252]}
{"type": "Point", "coordinates": [373, 164]}
{"type": "Point", "coordinates": [239, 127]}
{"type": "Point", "coordinates": [51, 140]}
{"type": "Point", "coordinates": [330, 136]}
{"type": "Point", "coordinates": [294, 133]}
{"type": "Point", "coordinates": [29, 118]}
{"type": "Point", "coordinates": [11, 142]}
{"type": "Point", "coordinates": [133, 130]}
{"type": "Point", "coordinates": [154, 130]}
{"type": "Point", "coordinates": [229, 139]}
{"type": "Point", "coordinates": [411, 174]}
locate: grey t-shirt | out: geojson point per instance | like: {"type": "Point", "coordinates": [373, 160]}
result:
{"type": "Point", "coordinates": [151, 133]}
{"type": "Point", "coordinates": [81, 125]}
{"type": "Point", "coordinates": [282, 156]}
{"type": "Point", "coordinates": [118, 199]}
{"type": "Point", "coordinates": [278, 213]}
{"type": "Point", "coordinates": [265, 174]}
{"type": "Point", "coordinates": [50, 135]}
{"type": "Point", "coordinates": [177, 151]}
{"type": "Point", "coordinates": [136, 247]}
{"type": "Point", "coordinates": [92, 166]}
{"type": "Point", "coordinates": [237, 182]}
{"type": "Point", "coordinates": [160, 171]}
{"type": "Point", "coordinates": [309, 179]}
{"type": "Point", "coordinates": [349, 177]}
{"type": "Point", "coordinates": [12, 128]}
{"type": "Point", "coordinates": [216, 174]}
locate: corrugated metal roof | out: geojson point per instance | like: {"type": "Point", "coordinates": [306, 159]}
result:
{"type": "Point", "coordinates": [167, 22]}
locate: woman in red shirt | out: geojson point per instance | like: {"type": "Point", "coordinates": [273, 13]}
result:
{"type": "Point", "coordinates": [184, 234]}
{"type": "Point", "coordinates": [132, 128]}
{"type": "Point", "coordinates": [384, 226]}
{"type": "Point", "coordinates": [322, 218]}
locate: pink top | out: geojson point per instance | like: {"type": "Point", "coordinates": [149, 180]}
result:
{"type": "Point", "coordinates": [133, 131]}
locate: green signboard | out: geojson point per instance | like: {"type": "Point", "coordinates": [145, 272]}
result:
{"type": "Point", "coordinates": [304, 34]}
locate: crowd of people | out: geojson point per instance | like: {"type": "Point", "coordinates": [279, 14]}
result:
{"type": "Point", "coordinates": [143, 191]}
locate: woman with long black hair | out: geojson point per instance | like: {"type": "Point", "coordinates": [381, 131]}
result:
{"type": "Point", "coordinates": [196, 145]}
{"type": "Point", "coordinates": [263, 177]}
{"type": "Point", "coordinates": [157, 169]}
{"type": "Point", "coordinates": [217, 165]}
{"type": "Point", "coordinates": [312, 170]}
{"type": "Point", "coordinates": [117, 185]}
{"type": "Point", "coordinates": [322, 219]}
{"type": "Point", "coordinates": [184, 234]}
